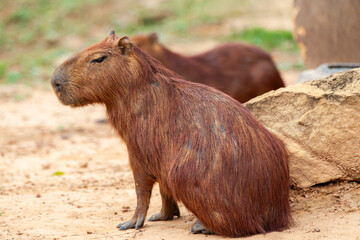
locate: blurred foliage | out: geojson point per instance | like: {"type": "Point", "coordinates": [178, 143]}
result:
{"type": "Point", "coordinates": [181, 16]}
{"type": "Point", "coordinates": [29, 29]}
{"type": "Point", "coordinates": [3, 68]}
{"type": "Point", "coordinates": [37, 34]}
{"type": "Point", "coordinates": [31, 20]}
{"type": "Point", "coordinates": [61, 128]}
{"type": "Point", "coordinates": [285, 66]}
{"type": "Point", "coordinates": [266, 39]}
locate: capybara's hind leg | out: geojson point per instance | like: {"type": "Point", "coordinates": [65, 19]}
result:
{"type": "Point", "coordinates": [198, 227]}
{"type": "Point", "coordinates": [169, 208]}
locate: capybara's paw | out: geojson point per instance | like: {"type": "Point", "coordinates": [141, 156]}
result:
{"type": "Point", "coordinates": [133, 223]}
{"type": "Point", "coordinates": [165, 216]}
{"type": "Point", "coordinates": [198, 227]}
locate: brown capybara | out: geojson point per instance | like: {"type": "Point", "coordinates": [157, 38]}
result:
{"type": "Point", "coordinates": [202, 146]}
{"type": "Point", "coordinates": [240, 70]}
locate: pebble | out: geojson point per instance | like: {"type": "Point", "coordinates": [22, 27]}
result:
{"type": "Point", "coordinates": [65, 136]}
{"type": "Point", "coordinates": [125, 209]}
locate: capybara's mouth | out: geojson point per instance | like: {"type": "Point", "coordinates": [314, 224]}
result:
{"type": "Point", "coordinates": [63, 98]}
{"type": "Point", "coordinates": [60, 90]}
{"type": "Point", "coordinates": [68, 100]}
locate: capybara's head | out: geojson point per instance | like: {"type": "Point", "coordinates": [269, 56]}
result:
{"type": "Point", "coordinates": [148, 43]}
{"type": "Point", "coordinates": [92, 75]}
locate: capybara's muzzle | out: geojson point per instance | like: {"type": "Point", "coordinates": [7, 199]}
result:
{"type": "Point", "coordinates": [58, 80]}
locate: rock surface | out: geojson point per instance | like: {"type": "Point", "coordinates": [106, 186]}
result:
{"type": "Point", "coordinates": [320, 123]}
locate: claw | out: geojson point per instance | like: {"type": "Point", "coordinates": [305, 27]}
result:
{"type": "Point", "coordinates": [155, 217]}
{"type": "Point", "coordinates": [198, 227]}
{"type": "Point", "coordinates": [139, 223]}
{"type": "Point", "coordinates": [126, 225]}
{"type": "Point", "coordinates": [132, 223]}
{"type": "Point", "coordinates": [160, 216]}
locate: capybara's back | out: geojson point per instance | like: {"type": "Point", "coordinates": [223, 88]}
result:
{"type": "Point", "coordinates": [228, 169]}
{"type": "Point", "coordinates": [202, 146]}
{"type": "Point", "coordinates": [240, 70]}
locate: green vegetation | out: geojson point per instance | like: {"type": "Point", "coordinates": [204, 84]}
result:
{"type": "Point", "coordinates": [3, 68]}
{"type": "Point", "coordinates": [35, 34]}
{"type": "Point", "coordinates": [266, 39]}
{"type": "Point", "coordinates": [178, 17]}
{"type": "Point", "coordinates": [33, 28]}
{"type": "Point", "coordinates": [31, 20]}
{"type": "Point", "coordinates": [60, 128]}
{"type": "Point", "coordinates": [58, 173]}
{"type": "Point", "coordinates": [299, 65]}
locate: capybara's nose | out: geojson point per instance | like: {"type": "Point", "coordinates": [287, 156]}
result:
{"type": "Point", "coordinates": [56, 85]}
{"type": "Point", "coordinates": [57, 80]}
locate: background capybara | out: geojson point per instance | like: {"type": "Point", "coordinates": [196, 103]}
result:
{"type": "Point", "coordinates": [201, 146]}
{"type": "Point", "coordinates": [240, 70]}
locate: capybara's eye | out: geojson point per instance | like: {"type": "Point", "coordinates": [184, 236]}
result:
{"type": "Point", "coordinates": [99, 60]}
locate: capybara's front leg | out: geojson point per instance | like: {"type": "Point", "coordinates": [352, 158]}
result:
{"type": "Point", "coordinates": [143, 193]}
{"type": "Point", "coordinates": [169, 208]}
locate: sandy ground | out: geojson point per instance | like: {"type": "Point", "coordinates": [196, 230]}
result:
{"type": "Point", "coordinates": [39, 137]}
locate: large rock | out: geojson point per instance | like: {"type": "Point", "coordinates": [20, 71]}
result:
{"type": "Point", "coordinates": [320, 123]}
{"type": "Point", "coordinates": [327, 31]}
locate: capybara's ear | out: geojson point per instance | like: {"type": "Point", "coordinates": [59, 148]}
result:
{"type": "Point", "coordinates": [111, 32]}
{"type": "Point", "coordinates": [125, 45]}
{"type": "Point", "coordinates": [153, 38]}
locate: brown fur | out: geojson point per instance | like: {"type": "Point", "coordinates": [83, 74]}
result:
{"type": "Point", "coordinates": [240, 70]}
{"type": "Point", "coordinates": [201, 146]}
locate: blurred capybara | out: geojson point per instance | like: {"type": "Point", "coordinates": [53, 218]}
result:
{"type": "Point", "coordinates": [240, 70]}
{"type": "Point", "coordinates": [202, 146]}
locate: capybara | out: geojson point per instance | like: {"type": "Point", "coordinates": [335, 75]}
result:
{"type": "Point", "coordinates": [240, 70]}
{"type": "Point", "coordinates": [202, 146]}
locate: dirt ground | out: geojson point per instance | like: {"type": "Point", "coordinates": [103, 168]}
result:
{"type": "Point", "coordinates": [40, 137]}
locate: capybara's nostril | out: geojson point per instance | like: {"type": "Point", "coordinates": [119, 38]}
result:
{"type": "Point", "coordinates": [58, 86]}
{"type": "Point", "coordinates": [58, 80]}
